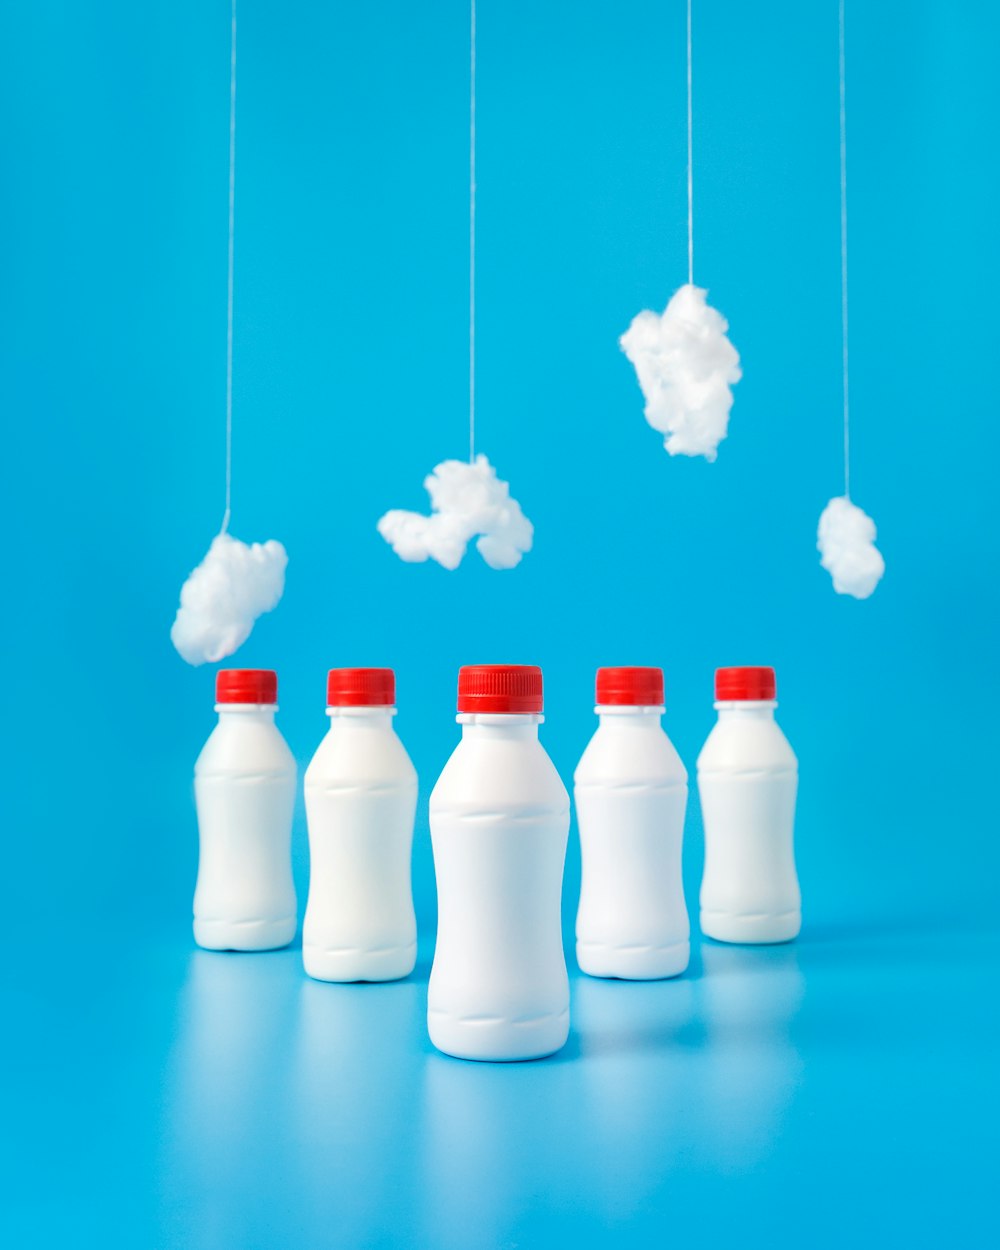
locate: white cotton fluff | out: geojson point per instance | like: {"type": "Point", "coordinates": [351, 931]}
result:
{"type": "Point", "coordinates": [847, 548]}
{"type": "Point", "coordinates": [221, 600]}
{"type": "Point", "coordinates": [685, 365]}
{"type": "Point", "coordinates": [466, 500]}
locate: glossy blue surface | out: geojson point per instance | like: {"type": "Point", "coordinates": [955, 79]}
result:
{"type": "Point", "coordinates": [841, 1091]}
{"type": "Point", "coordinates": [828, 1093]}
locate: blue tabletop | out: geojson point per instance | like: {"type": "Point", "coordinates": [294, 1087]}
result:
{"type": "Point", "coordinates": [839, 1090]}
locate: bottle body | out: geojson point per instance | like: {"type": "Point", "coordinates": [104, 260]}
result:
{"type": "Point", "coordinates": [747, 782]}
{"type": "Point", "coordinates": [631, 796]}
{"type": "Point", "coordinates": [361, 798]}
{"type": "Point", "coordinates": [245, 793]}
{"type": "Point", "coordinates": [499, 818]}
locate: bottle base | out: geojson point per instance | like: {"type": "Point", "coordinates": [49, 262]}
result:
{"type": "Point", "coordinates": [391, 963]}
{"type": "Point", "coordinates": [760, 929]}
{"type": "Point", "coordinates": [244, 935]}
{"type": "Point", "coordinates": [633, 963]}
{"type": "Point", "coordinates": [498, 1039]}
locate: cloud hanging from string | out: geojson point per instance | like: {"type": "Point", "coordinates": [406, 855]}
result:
{"type": "Point", "coordinates": [222, 599]}
{"type": "Point", "coordinates": [686, 367]}
{"type": "Point", "coordinates": [847, 548]}
{"type": "Point", "coordinates": [466, 500]}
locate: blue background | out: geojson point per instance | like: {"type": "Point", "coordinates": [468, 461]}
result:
{"type": "Point", "coordinates": [838, 1091]}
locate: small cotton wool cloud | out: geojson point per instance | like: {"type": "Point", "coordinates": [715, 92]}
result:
{"type": "Point", "coordinates": [223, 597]}
{"type": "Point", "coordinates": [466, 500]}
{"type": "Point", "coordinates": [685, 365]}
{"type": "Point", "coordinates": [847, 548]}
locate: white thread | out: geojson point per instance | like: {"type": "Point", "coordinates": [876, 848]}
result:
{"type": "Point", "coordinates": [229, 282]}
{"type": "Point", "coordinates": [690, 174]}
{"type": "Point", "coordinates": [472, 233]}
{"type": "Point", "coordinates": [843, 249]}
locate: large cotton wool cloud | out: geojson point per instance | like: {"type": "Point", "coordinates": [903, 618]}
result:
{"type": "Point", "coordinates": [847, 548]}
{"type": "Point", "coordinates": [686, 366]}
{"type": "Point", "coordinates": [466, 500]}
{"type": "Point", "coordinates": [221, 600]}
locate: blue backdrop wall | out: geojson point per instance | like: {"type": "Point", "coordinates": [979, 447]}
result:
{"type": "Point", "coordinates": [350, 385]}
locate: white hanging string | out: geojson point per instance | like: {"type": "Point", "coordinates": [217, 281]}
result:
{"type": "Point", "coordinates": [843, 250]}
{"type": "Point", "coordinates": [472, 233]}
{"type": "Point", "coordinates": [229, 290]}
{"type": "Point", "coordinates": [690, 174]}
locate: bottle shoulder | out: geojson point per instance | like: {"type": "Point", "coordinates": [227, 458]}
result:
{"type": "Point", "coordinates": [746, 744]}
{"type": "Point", "coordinates": [244, 746]}
{"type": "Point", "coordinates": [500, 774]}
{"type": "Point", "coordinates": [618, 756]}
{"type": "Point", "coordinates": [372, 755]}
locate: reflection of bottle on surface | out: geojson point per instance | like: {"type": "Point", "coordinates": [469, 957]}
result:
{"type": "Point", "coordinates": [244, 784]}
{"type": "Point", "coordinates": [631, 792]}
{"type": "Point", "coordinates": [641, 1047]}
{"type": "Point", "coordinates": [499, 822]}
{"type": "Point", "coordinates": [493, 1142]}
{"type": "Point", "coordinates": [747, 779]}
{"type": "Point", "coordinates": [225, 1138]}
{"type": "Point", "coordinates": [353, 1111]}
{"type": "Point", "coordinates": [751, 1068]}
{"type": "Point", "coordinates": [361, 796]}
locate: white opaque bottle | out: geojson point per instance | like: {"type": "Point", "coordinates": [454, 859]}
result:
{"type": "Point", "coordinates": [499, 819]}
{"type": "Point", "coordinates": [361, 798]}
{"type": "Point", "coordinates": [631, 794]}
{"type": "Point", "coordinates": [244, 784]}
{"type": "Point", "coordinates": [747, 781]}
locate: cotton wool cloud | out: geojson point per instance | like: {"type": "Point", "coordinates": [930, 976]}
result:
{"type": "Point", "coordinates": [220, 602]}
{"type": "Point", "coordinates": [847, 548]}
{"type": "Point", "coordinates": [686, 368]}
{"type": "Point", "coordinates": [466, 500]}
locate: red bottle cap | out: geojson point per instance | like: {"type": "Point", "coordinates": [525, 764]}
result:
{"type": "Point", "coordinates": [733, 684]}
{"type": "Point", "coordinates": [631, 687]}
{"type": "Point", "coordinates": [512, 688]}
{"type": "Point", "coordinates": [360, 687]}
{"type": "Point", "coordinates": [246, 685]}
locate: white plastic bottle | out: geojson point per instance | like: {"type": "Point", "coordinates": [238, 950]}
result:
{"type": "Point", "coordinates": [244, 784]}
{"type": "Point", "coordinates": [499, 824]}
{"type": "Point", "coordinates": [631, 794]}
{"type": "Point", "coordinates": [361, 798]}
{"type": "Point", "coordinates": [747, 780]}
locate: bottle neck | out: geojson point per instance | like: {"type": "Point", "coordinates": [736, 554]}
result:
{"type": "Point", "coordinates": [232, 712]}
{"type": "Point", "coordinates": [746, 709]}
{"type": "Point", "coordinates": [628, 716]}
{"type": "Point", "coordinates": [361, 717]}
{"type": "Point", "coordinates": [480, 725]}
